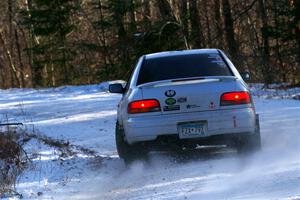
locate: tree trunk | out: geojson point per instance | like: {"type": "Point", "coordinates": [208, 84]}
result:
{"type": "Point", "coordinates": [297, 28]}
{"type": "Point", "coordinates": [19, 50]}
{"type": "Point", "coordinates": [208, 23]}
{"type": "Point", "coordinates": [10, 18]}
{"type": "Point", "coordinates": [36, 74]}
{"type": "Point", "coordinates": [184, 21]}
{"type": "Point", "coordinates": [282, 71]}
{"type": "Point", "coordinates": [218, 21]}
{"type": "Point", "coordinates": [119, 13]}
{"type": "Point", "coordinates": [196, 28]}
{"type": "Point", "coordinates": [107, 57]}
{"type": "Point", "coordinates": [10, 60]}
{"type": "Point", "coordinates": [184, 16]}
{"type": "Point", "coordinates": [267, 72]}
{"type": "Point", "coordinates": [297, 33]}
{"type": "Point", "coordinates": [165, 10]}
{"type": "Point", "coordinates": [146, 12]}
{"type": "Point", "coordinates": [229, 33]}
{"type": "Point", "coordinates": [256, 48]}
{"type": "Point", "coordinates": [132, 19]}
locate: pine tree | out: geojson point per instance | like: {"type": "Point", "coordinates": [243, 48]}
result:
{"type": "Point", "coordinates": [49, 23]}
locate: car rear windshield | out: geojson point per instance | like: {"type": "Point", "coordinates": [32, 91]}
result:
{"type": "Point", "coordinates": [183, 66]}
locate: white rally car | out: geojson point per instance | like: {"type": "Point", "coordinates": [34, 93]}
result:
{"type": "Point", "coordinates": [185, 99]}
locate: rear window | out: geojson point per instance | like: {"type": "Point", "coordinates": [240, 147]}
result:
{"type": "Point", "coordinates": [183, 66]}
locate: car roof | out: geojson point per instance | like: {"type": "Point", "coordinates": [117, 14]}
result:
{"type": "Point", "coordinates": [180, 53]}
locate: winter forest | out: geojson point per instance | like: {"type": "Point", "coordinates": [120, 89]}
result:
{"type": "Point", "coordinates": [47, 43]}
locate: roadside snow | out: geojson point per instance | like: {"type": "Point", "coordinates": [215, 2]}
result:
{"type": "Point", "coordinates": [85, 116]}
{"type": "Point", "coordinates": [274, 93]}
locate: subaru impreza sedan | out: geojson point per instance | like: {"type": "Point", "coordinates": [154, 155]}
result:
{"type": "Point", "coordinates": [185, 99]}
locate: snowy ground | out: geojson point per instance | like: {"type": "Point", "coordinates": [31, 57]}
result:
{"type": "Point", "coordinates": [85, 116]}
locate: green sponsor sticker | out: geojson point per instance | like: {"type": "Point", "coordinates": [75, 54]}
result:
{"type": "Point", "coordinates": [170, 101]}
{"type": "Point", "coordinates": [172, 108]}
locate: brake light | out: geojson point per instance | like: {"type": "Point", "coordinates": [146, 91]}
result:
{"type": "Point", "coordinates": [143, 106]}
{"type": "Point", "coordinates": [235, 98]}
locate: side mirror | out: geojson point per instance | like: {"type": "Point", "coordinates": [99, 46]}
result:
{"type": "Point", "coordinates": [246, 76]}
{"type": "Point", "coordinates": [116, 88]}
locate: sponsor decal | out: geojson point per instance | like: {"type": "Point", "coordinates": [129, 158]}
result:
{"type": "Point", "coordinates": [170, 101]}
{"type": "Point", "coordinates": [172, 108]}
{"type": "Point", "coordinates": [192, 106]}
{"type": "Point", "coordinates": [170, 93]}
{"type": "Point", "coordinates": [182, 100]}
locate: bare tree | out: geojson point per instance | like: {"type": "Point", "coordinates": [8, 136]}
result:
{"type": "Point", "coordinates": [196, 27]}
{"type": "Point", "coordinates": [230, 34]}
{"type": "Point", "coordinates": [266, 46]}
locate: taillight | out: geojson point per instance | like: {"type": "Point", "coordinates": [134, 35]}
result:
{"type": "Point", "coordinates": [144, 106]}
{"type": "Point", "coordinates": [235, 98]}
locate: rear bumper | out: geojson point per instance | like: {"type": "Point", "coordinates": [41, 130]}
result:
{"type": "Point", "coordinates": [149, 128]}
{"type": "Point", "coordinates": [172, 142]}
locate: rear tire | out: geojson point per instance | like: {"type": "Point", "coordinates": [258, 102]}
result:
{"type": "Point", "coordinates": [129, 153]}
{"type": "Point", "coordinates": [250, 143]}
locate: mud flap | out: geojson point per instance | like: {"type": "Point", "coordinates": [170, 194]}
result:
{"type": "Point", "coordinates": [257, 124]}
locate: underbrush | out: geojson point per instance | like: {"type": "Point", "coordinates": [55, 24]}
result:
{"type": "Point", "coordinates": [19, 153]}
{"type": "Point", "coordinates": [13, 159]}
{"type": "Point", "coordinates": [276, 91]}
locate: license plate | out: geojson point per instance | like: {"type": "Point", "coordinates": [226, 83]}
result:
{"type": "Point", "coordinates": [192, 130]}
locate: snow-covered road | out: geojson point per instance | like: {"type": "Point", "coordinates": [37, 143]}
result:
{"type": "Point", "coordinates": [86, 116]}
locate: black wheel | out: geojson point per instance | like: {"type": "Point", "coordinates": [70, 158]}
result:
{"type": "Point", "coordinates": [250, 143]}
{"type": "Point", "coordinates": [128, 153]}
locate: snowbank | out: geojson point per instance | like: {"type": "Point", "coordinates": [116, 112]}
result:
{"type": "Point", "coordinates": [275, 91]}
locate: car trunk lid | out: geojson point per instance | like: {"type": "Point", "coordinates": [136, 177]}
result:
{"type": "Point", "coordinates": [189, 95]}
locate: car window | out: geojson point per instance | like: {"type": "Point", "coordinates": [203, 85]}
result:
{"type": "Point", "coordinates": [131, 75]}
{"type": "Point", "coordinates": [183, 66]}
{"type": "Point", "coordinates": [128, 82]}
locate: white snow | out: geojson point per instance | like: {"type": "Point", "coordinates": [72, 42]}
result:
{"type": "Point", "coordinates": [85, 116]}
